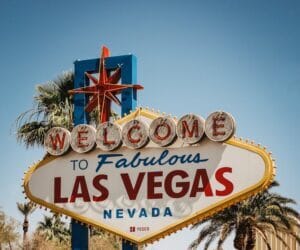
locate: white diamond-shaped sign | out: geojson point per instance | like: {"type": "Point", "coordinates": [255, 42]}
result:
{"type": "Point", "coordinates": [145, 194]}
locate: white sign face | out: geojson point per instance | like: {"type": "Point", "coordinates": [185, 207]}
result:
{"type": "Point", "coordinates": [145, 194]}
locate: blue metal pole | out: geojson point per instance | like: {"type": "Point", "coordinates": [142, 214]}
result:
{"type": "Point", "coordinates": [128, 246]}
{"type": "Point", "coordinates": [129, 100]}
{"type": "Point", "coordinates": [80, 234]}
{"type": "Point", "coordinates": [129, 75]}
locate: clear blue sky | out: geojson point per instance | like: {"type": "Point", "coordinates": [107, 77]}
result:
{"type": "Point", "coordinates": [193, 56]}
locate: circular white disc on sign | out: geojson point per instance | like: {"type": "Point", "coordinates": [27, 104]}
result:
{"type": "Point", "coordinates": [83, 138]}
{"type": "Point", "coordinates": [108, 136]}
{"type": "Point", "coordinates": [57, 141]}
{"type": "Point", "coordinates": [219, 126]}
{"type": "Point", "coordinates": [162, 131]}
{"type": "Point", "coordinates": [190, 128]}
{"type": "Point", "coordinates": [135, 134]}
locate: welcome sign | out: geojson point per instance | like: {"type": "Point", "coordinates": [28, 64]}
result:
{"type": "Point", "coordinates": [150, 191]}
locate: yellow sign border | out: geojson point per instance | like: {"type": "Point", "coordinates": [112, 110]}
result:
{"type": "Point", "coordinates": [192, 219]}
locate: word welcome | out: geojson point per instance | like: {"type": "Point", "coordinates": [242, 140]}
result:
{"type": "Point", "coordinates": [135, 134]}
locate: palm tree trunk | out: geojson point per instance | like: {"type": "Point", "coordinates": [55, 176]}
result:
{"type": "Point", "coordinates": [240, 238]}
{"type": "Point", "coordinates": [251, 239]}
{"type": "Point", "coordinates": [25, 231]}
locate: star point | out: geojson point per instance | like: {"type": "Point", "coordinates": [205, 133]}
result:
{"type": "Point", "coordinates": [104, 89]}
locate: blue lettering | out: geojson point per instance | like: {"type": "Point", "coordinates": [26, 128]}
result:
{"type": "Point", "coordinates": [122, 163]}
{"type": "Point", "coordinates": [168, 212]}
{"type": "Point", "coordinates": [173, 160]}
{"type": "Point", "coordinates": [103, 158]}
{"type": "Point", "coordinates": [197, 159]}
{"type": "Point", "coordinates": [137, 160]}
{"type": "Point", "coordinates": [143, 213]}
{"type": "Point", "coordinates": [119, 213]}
{"type": "Point", "coordinates": [131, 212]}
{"type": "Point", "coordinates": [74, 165]}
{"type": "Point", "coordinates": [151, 162]}
{"type": "Point", "coordinates": [186, 159]}
{"type": "Point", "coordinates": [155, 212]}
{"type": "Point", "coordinates": [162, 156]}
{"type": "Point", "coordinates": [107, 214]}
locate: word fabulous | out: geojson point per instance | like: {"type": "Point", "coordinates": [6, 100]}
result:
{"type": "Point", "coordinates": [135, 134]}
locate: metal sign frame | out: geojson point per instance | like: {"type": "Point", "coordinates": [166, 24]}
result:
{"type": "Point", "coordinates": [263, 183]}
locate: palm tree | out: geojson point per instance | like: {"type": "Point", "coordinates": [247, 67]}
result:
{"type": "Point", "coordinates": [99, 239]}
{"type": "Point", "coordinates": [53, 107]}
{"type": "Point", "coordinates": [26, 209]}
{"type": "Point", "coordinates": [53, 228]}
{"type": "Point", "coordinates": [8, 230]}
{"type": "Point", "coordinates": [259, 214]}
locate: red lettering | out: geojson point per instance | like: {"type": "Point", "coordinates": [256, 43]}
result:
{"type": "Point", "coordinates": [57, 139]}
{"type": "Point", "coordinates": [190, 133]}
{"type": "Point", "coordinates": [57, 191]}
{"type": "Point", "coordinates": [132, 191]}
{"type": "Point", "coordinates": [80, 184]}
{"type": "Point", "coordinates": [103, 190]}
{"type": "Point", "coordinates": [201, 174]}
{"type": "Point", "coordinates": [105, 140]}
{"type": "Point", "coordinates": [228, 186]}
{"type": "Point", "coordinates": [218, 122]}
{"type": "Point", "coordinates": [132, 140]}
{"type": "Point", "coordinates": [183, 185]}
{"type": "Point", "coordinates": [162, 137]}
{"type": "Point", "coordinates": [81, 139]}
{"type": "Point", "coordinates": [152, 184]}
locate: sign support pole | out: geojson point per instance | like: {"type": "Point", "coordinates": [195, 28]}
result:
{"type": "Point", "coordinates": [80, 233]}
{"type": "Point", "coordinates": [129, 99]}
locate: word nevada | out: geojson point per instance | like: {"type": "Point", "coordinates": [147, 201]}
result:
{"type": "Point", "coordinates": [163, 131]}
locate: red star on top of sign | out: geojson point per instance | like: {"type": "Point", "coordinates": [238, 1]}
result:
{"type": "Point", "coordinates": [104, 90]}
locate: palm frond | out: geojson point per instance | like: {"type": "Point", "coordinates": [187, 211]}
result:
{"type": "Point", "coordinates": [26, 208]}
{"type": "Point", "coordinates": [224, 233]}
{"type": "Point", "coordinates": [261, 213]}
{"type": "Point", "coordinates": [53, 106]}
{"type": "Point", "coordinates": [211, 238]}
{"type": "Point", "coordinates": [264, 236]}
{"type": "Point", "coordinates": [32, 133]}
{"type": "Point", "coordinates": [205, 232]}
